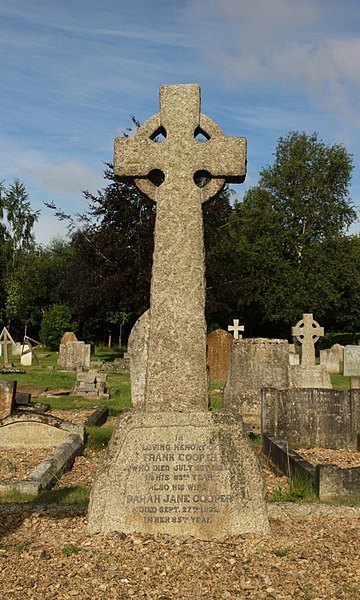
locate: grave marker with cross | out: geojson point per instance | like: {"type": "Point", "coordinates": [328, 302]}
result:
{"type": "Point", "coordinates": [5, 342]}
{"type": "Point", "coordinates": [307, 331]}
{"type": "Point", "coordinates": [174, 413]}
{"type": "Point", "coordinates": [176, 369]}
{"type": "Point", "coordinates": [235, 328]}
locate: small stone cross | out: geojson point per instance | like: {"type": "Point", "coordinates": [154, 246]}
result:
{"type": "Point", "coordinates": [167, 171]}
{"type": "Point", "coordinates": [307, 332]}
{"type": "Point", "coordinates": [236, 328]}
{"type": "Point", "coordinates": [5, 341]}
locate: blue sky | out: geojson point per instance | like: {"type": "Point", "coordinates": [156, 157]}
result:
{"type": "Point", "coordinates": [73, 71]}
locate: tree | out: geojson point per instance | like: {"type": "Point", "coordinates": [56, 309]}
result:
{"type": "Point", "coordinates": [56, 321]}
{"type": "Point", "coordinates": [38, 280]}
{"type": "Point", "coordinates": [281, 233]}
{"type": "Point", "coordinates": [20, 218]}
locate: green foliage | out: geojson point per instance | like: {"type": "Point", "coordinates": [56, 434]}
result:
{"type": "Point", "coordinates": [14, 495]}
{"type": "Point", "coordinates": [56, 321]}
{"type": "Point", "coordinates": [297, 490]}
{"type": "Point", "coordinates": [286, 241]}
{"type": "Point", "coordinates": [340, 382]}
{"type": "Point", "coordinates": [70, 550]}
{"type": "Point", "coordinates": [19, 216]}
{"type": "Point", "coordinates": [98, 437]}
{"type": "Point", "coordinates": [68, 495]}
{"type": "Point", "coordinates": [281, 552]}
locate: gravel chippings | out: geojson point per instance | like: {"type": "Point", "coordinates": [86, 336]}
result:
{"type": "Point", "coordinates": [312, 553]}
{"type": "Point", "coordinates": [45, 555]}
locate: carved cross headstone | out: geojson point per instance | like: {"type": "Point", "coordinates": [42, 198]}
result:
{"type": "Point", "coordinates": [307, 331]}
{"type": "Point", "coordinates": [235, 328]}
{"type": "Point", "coordinates": [171, 429]}
{"type": "Point", "coordinates": [6, 341]}
{"type": "Point", "coordinates": [176, 370]}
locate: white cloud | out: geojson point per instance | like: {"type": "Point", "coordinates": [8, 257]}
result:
{"type": "Point", "coordinates": [287, 47]}
{"type": "Point", "coordinates": [67, 178]}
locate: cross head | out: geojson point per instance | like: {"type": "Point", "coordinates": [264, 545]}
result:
{"type": "Point", "coordinates": [235, 328]}
{"type": "Point", "coordinates": [307, 331]}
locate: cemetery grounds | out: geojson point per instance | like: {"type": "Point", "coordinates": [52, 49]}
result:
{"type": "Point", "coordinates": [312, 552]}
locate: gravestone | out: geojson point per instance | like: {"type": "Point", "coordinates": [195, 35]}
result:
{"type": "Point", "coordinates": [26, 356]}
{"type": "Point", "coordinates": [329, 358]}
{"type": "Point", "coordinates": [69, 336]}
{"type": "Point", "coordinates": [255, 363]}
{"type": "Point", "coordinates": [91, 383]}
{"type": "Point", "coordinates": [307, 332]}
{"type": "Point", "coordinates": [6, 342]}
{"type": "Point", "coordinates": [73, 356]}
{"type": "Point", "coordinates": [137, 351]}
{"type": "Point", "coordinates": [7, 398]}
{"type": "Point", "coordinates": [218, 354]}
{"type": "Point", "coordinates": [340, 351]}
{"type": "Point", "coordinates": [352, 361]}
{"type": "Point", "coordinates": [235, 328]}
{"type": "Point", "coordinates": [175, 467]}
{"type": "Point", "coordinates": [308, 374]}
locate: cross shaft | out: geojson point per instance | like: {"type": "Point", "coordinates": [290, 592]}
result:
{"type": "Point", "coordinates": [176, 370]}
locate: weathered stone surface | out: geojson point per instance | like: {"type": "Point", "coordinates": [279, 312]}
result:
{"type": "Point", "coordinates": [137, 350]}
{"type": "Point", "coordinates": [307, 332]}
{"type": "Point", "coordinates": [330, 359]}
{"type": "Point", "coordinates": [340, 350]}
{"type": "Point", "coordinates": [7, 398]}
{"type": "Point", "coordinates": [218, 354]}
{"type": "Point", "coordinates": [312, 376]}
{"type": "Point", "coordinates": [177, 341]}
{"type": "Point", "coordinates": [74, 355]}
{"type": "Point", "coordinates": [309, 418]}
{"type": "Point", "coordinates": [255, 363]}
{"type": "Point", "coordinates": [69, 336]}
{"type": "Point", "coordinates": [29, 430]}
{"type": "Point", "coordinates": [173, 467]}
{"type": "Point", "coordinates": [179, 474]}
{"type": "Point", "coordinates": [352, 361]}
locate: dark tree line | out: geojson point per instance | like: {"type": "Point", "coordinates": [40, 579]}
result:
{"type": "Point", "coordinates": [282, 251]}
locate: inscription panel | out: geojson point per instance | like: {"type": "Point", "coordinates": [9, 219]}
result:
{"type": "Point", "coordinates": [181, 481]}
{"type": "Point", "coordinates": [179, 474]}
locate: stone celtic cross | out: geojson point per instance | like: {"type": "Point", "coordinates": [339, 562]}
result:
{"type": "Point", "coordinates": [307, 331]}
{"type": "Point", "coordinates": [176, 370]}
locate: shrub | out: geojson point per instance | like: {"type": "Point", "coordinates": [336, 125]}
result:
{"type": "Point", "coordinates": [55, 322]}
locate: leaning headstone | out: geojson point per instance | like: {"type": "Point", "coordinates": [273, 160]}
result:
{"type": "Point", "coordinates": [73, 356]}
{"type": "Point", "coordinates": [218, 354]}
{"type": "Point", "coordinates": [175, 467]}
{"type": "Point", "coordinates": [255, 363]}
{"type": "Point", "coordinates": [26, 356]}
{"type": "Point", "coordinates": [137, 352]}
{"type": "Point", "coordinates": [352, 361]}
{"type": "Point", "coordinates": [7, 398]}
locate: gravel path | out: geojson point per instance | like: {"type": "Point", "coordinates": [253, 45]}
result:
{"type": "Point", "coordinates": [312, 553]}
